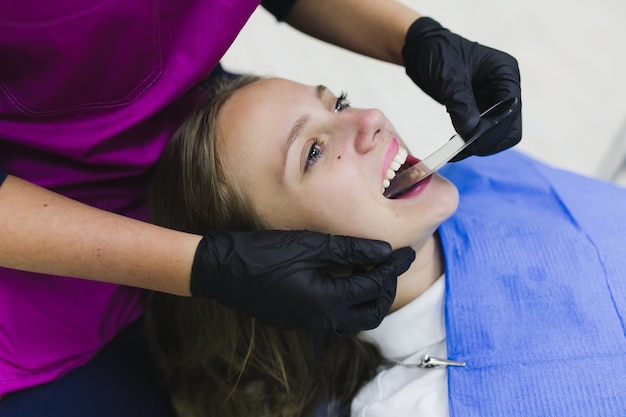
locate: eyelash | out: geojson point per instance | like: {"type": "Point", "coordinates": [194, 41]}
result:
{"type": "Point", "coordinates": [317, 147]}
{"type": "Point", "coordinates": [315, 153]}
{"type": "Point", "coordinates": [342, 102]}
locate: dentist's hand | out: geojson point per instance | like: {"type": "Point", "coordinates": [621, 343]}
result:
{"type": "Point", "coordinates": [466, 77]}
{"type": "Point", "coordinates": [276, 277]}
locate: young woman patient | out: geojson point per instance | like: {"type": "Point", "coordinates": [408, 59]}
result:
{"type": "Point", "coordinates": [522, 284]}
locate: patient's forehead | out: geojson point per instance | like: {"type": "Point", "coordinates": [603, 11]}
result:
{"type": "Point", "coordinates": [254, 122]}
{"type": "Point", "coordinates": [270, 86]}
{"type": "Point", "coordinates": [251, 103]}
{"type": "Point", "coordinates": [261, 106]}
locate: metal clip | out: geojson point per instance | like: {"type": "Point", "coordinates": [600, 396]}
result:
{"type": "Point", "coordinates": [428, 362]}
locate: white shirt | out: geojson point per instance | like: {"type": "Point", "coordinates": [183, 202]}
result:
{"type": "Point", "coordinates": [405, 335]}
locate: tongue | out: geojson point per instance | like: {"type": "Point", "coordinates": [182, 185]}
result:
{"type": "Point", "coordinates": [389, 191]}
{"type": "Point", "coordinates": [407, 177]}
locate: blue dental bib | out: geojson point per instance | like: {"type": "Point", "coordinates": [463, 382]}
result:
{"type": "Point", "coordinates": [536, 291]}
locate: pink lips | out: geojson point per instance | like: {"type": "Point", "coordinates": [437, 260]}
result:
{"type": "Point", "coordinates": [392, 150]}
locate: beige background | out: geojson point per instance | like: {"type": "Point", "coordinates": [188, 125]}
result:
{"type": "Point", "coordinates": [572, 57]}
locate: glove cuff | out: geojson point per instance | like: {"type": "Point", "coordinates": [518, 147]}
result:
{"type": "Point", "coordinates": [417, 30]}
{"type": "Point", "coordinates": [201, 282]}
{"type": "Point", "coordinates": [419, 27]}
{"type": "Point", "coordinates": [418, 62]}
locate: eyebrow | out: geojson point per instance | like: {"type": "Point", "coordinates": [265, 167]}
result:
{"type": "Point", "coordinates": [299, 125]}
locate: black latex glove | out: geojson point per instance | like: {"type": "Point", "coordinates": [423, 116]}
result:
{"type": "Point", "coordinates": [275, 276]}
{"type": "Point", "coordinates": [468, 78]}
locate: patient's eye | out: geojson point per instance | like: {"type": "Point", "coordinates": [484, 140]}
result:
{"type": "Point", "coordinates": [342, 102]}
{"type": "Point", "coordinates": [315, 153]}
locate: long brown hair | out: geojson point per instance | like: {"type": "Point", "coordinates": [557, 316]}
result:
{"type": "Point", "coordinates": [216, 361]}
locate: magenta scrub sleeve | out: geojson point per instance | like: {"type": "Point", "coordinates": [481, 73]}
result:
{"type": "Point", "coordinates": [275, 276]}
{"type": "Point", "coordinates": [465, 76]}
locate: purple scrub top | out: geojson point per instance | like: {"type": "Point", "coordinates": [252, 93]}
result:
{"type": "Point", "coordinates": [89, 94]}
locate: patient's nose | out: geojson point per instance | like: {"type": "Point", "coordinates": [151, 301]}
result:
{"type": "Point", "coordinates": [369, 125]}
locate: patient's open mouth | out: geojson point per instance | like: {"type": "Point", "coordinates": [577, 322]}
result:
{"type": "Point", "coordinates": [401, 161]}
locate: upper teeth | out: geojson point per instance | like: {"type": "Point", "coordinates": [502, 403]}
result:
{"type": "Point", "coordinates": [394, 166]}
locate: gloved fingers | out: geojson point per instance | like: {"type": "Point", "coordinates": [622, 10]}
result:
{"type": "Point", "coordinates": [508, 87]}
{"type": "Point", "coordinates": [368, 315]}
{"type": "Point", "coordinates": [499, 138]}
{"type": "Point", "coordinates": [296, 250]}
{"type": "Point", "coordinates": [496, 138]}
{"type": "Point", "coordinates": [346, 250]}
{"type": "Point", "coordinates": [349, 303]}
{"type": "Point", "coordinates": [463, 110]}
{"type": "Point", "coordinates": [494, 78]}
{"type": "Point", "coordinates": [401, 259]}
{"type": "Point", "coordinates": [323, 302]}
{"type": "Point", "coordinates": [364, 316]}
{"type": "Point", "coordinates": [497, 78]}
{"type": "Point", "coordinates": [363, 287]}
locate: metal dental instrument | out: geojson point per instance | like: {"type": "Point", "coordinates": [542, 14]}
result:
{"type": "Point", "coordinates": [427, 362]}
{"type": "Point", "coordinates": [490, 118]}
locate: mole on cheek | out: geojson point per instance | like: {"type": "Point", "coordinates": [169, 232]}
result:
{"type": "Point", "coordinates": [339, 157]}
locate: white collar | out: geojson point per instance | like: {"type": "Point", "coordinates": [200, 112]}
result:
{"type": "Point", "coordinates": [418, 324]}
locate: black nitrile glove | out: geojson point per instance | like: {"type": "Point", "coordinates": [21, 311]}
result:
{"type": "Point", "coordinates": [468, 78]}
{"type": "Point", "coordinates": [275, 276]}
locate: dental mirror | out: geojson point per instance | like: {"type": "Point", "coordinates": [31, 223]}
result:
{"type": "Point", "coordinates": [492, 124]}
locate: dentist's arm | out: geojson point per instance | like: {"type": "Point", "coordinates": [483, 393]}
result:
{"type": "Point", "coordinates": [468, 78]}
{"type": "Point", "coordinates": [375, 28]}
{"type": "Point", "coordinates": [272, 275]}
{"type": "Point", "coordinates": [48, 233]}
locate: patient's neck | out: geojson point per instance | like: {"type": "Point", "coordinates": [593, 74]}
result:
{"type": "Point", "coordinates": [424, 271]}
